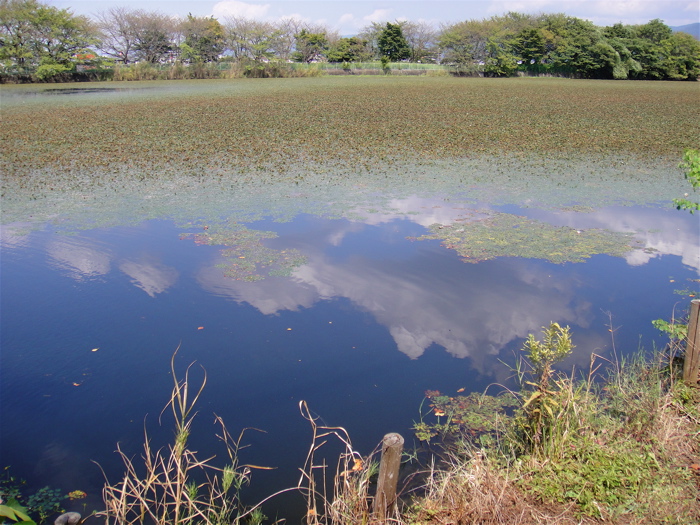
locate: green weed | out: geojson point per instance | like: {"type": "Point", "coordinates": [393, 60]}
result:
{"type": "Point", "coordinates": [625, 448]}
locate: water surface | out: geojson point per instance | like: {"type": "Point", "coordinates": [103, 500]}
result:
{"type": "Point", "coordinates": [363, 322]}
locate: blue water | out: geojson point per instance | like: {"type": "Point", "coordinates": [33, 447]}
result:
{"type": "Point", "coordinates": [91, 318]}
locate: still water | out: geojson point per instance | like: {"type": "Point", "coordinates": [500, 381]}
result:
{"type": "Point", "coordinates": [351, 312]}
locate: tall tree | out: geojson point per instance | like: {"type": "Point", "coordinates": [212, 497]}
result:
{"type": "Point", "coordinates": [370, 34]}
{"type": "Point", "coordinates": [579, 46]}
{"type": "Point", "coordinates": [17, 32]}
{"type": "Point", "coordinates": [392, 44]}
{"type": "Point", "coordinates": [284, 39]}
{"type": "Point", "coordinates": [352, 49]}
{"type": "Point", "coordinates": [118, 33]}
{"type": "Point", "coordinates": [44, 37]}
{"type": "Point", "coordinates": [248, 39]}
{"type": "Point", "coordinates": [422, 40]}
{"type": "Point", "coordinates": [204, 39]}
{"type": "Point", "coordinates": [310, 47]}
{"type": "Point", "coordinates": [155, 37]}
{"type": "Point", "coordinates": [465, 44]}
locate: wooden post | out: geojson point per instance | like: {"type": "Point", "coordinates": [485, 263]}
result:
{"type": "Point", "coordinates": [691, 365]}
{"type": "Point", "coordinates": [385, 500]}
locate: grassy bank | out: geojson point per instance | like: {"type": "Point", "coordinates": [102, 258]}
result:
{"type": "Point", "coordinates": [568, 449]}
{"type": "Point", "coordinates": [226, 70]}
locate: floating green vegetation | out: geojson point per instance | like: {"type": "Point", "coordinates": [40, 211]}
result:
{"type": "Point", "coordinates": [506, 235]}
{"type": "Point", "coordinates": [255, 128]}
{"type": "Point", "coordinates": [476, 414]}
{"type": "Point", "coordinates": [341, 147]}
{"type": "Point", "coordinates": [247, 258]}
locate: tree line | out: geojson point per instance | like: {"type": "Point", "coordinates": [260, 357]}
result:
{"type": "Point", "coordinates": [44, 41]}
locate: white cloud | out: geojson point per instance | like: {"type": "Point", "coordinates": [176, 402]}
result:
{"type": "Point", "coordinates": [15, 234]}
{"type": "Point", "coordinates": [347, 18]}
{"type": "Point", "coordinates": [78, 258]}
{"type": "Point", "coordinates": [296, 17]}
{"type": "Point", "coordinates": [378, 15]}
{"type": "Point", "coordinates": [471, 316]}
{"type": "Point", "coordinates": [151, 277]}
{"type": "Point", "coordinates": [240, 9]}
{"type": "Point", "coordinates": [692, 7]}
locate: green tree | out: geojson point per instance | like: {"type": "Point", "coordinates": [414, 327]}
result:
{"type": "Point", "coordinates": [531, 45]}
{"type": "Point", "coordinates": [204, 39]}
{"type": "Point", "coordinates": [654, 31]}
{"type": "Point", "coordinates": [352, 49]}
{"type": "Point", "coordinates": [16, 33]}
{"type": "Point", "coordinates": [649, 46]}
{"type": "Point", "coordinates": [625, 66]}
{"type": "Point", "coordinates": [310, 47]}
{"type": "Point", "coordinates": [252, 40]}
{"type": "Point", "coordinates": [392, 43]}
{"type": "Point", "coordinates": [500, 61]}
{"type": "Point", "coordinates": [490, 44]}
{"type": "Point", "coordinates": [59, 36]}
{"type": "Point", "coordinates": [459, 46]}
{"type": "Point", "coordinates": [683, 59]}
{"type": "Point", "coordinates": [42, 37]}
{"type": "Point", "coordinates": [574, 49]}
{"type": "Point", "coordinates": [652, 51]}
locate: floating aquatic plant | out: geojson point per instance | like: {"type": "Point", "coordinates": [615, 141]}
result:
{"type": "Point", "coordinates": [262, 128]}
{"type": "Point", "coordinates": [247, 258]}
{"type": "Point", "coordinates": [506, 235]}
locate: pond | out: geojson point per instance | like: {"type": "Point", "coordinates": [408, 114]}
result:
{"type": "Point", "coordinates": [354, 295]}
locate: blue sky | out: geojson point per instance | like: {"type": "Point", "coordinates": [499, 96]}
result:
{"type": "Point", "coordinates": [348, 17]}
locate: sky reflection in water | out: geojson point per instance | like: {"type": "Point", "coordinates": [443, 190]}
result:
{"type": "Point", "coordinates": [360, 330]}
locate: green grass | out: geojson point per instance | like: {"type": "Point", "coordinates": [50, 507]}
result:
{"type": "Point", "coordinates": [622, 450]}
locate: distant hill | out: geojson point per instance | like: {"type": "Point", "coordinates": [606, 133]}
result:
{"type": "Point", "coordinates": [691, 29]}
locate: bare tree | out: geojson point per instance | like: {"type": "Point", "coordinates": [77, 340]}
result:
{"type": "Point", "coordinates": [156, 35]}
{"type": "Point", "coordinates": [422, 38]}
{"type": "Point", "coordinates": [118, 28]}
{"type": "Point", "coordinates": [370, 34]}
{"type": "Point", "coordinates": [285, 43]}
{"type": "Point", "coordinates": [250, 39]}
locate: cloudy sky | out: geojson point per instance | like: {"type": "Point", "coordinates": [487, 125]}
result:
{"type": "Point", "coordinates": [348, 17]}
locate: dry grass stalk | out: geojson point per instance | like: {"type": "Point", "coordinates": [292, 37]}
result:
{"type": "Point", "coordinates": [173, 486]}
{"type": "Point", "coordinates": [351, 501]}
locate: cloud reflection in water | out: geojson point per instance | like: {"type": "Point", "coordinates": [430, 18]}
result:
{"type": "Point", "coordinates": [426, 299]}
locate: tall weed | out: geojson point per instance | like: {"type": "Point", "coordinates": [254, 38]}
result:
{"type": "Point", "coordinates": [173, 486]}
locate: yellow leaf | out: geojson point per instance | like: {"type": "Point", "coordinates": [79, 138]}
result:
{"type": "Point", "coordinates": [534, 396]}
